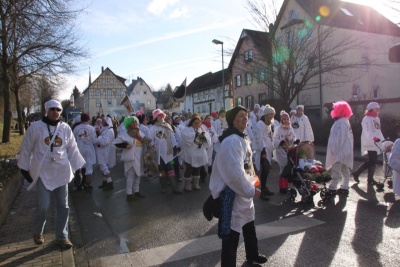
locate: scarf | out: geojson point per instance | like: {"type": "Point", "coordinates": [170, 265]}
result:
{"type": "Point", "coordinates": [229, 131]}
{"type": "Point", "coordinates": [207, 123]}
{"type": "Point", "coordinates": [371, 114]}
{"type": "Point", "coordinates": [49, 122]}
{"type": "Point", "coordinates": [170, 149]}
{"type": "Point", "coordinates": [227, 197]}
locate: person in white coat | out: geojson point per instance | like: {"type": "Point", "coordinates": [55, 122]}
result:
{"type": "Point", "coordinates": [264, 148]}
{"type": "Point", "coordinates": [131, 141]}
{"type": "Point", "coordinates": [302, 126]}
{"type": "Point", "coordinates": [104, 153]}
{"type": "Point", "coordinates": [371, 137]}
{"type": "Point", "coordinates": [284, 138]}
{"type": "Point", "coordinates": [48, 158]}
{"type": "Point", "coordinates": [195, 142]}
{"type": "Point", "coordinates": [85, 137]}
{"type": "Point", "coordinates": [339, 153]}
{"type": "Point", "coordinates": [254, 116]}
{"type": "Point", "coordinates": [231, 180]}
{"type": "Point", "coordinates": [163, 138]}
{"type": "Point", "coordinates": [207, 126]}
{"type": "Point", "coordinates": [220, 123]}
{"type": "Point", "coordinates": [394, 163]}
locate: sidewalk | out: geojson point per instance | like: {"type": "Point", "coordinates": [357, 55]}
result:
{"type": "Point", "coordinates": [16, 243]}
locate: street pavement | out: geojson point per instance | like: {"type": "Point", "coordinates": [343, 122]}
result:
{"type": "Point", "coordinates": [170, 230]}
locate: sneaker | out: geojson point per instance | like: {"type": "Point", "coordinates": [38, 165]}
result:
{"type": "Point", "coordinates": [38, 239]}
{"type": "Point", "coordinates": [355, 177]}
{"type": "Point", "coordinates": [139, 195]}
{"type": "Point", "coordinates": [343, 191]}
{"type": "Point", "coordinates": [130, 197]}
{"type": "Point", "coordinates": [108, 186]}
{"type": "Point", "coordinates": [260, 259]}
{"type": "Point", "coordinates": [66, 244]}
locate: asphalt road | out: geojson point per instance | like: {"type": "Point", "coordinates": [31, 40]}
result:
{"type": "Point", "coordinates": [170, 230]}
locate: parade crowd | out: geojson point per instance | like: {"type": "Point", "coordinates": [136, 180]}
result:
{"type": "Point", "coordinates": [235, 148]}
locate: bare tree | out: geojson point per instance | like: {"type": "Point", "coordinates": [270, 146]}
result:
{"type": "Point", "coordinates": [37, 37]}
{"type": "Point", "coordinates": [304, 55]}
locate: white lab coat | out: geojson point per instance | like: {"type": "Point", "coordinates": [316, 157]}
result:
{"type": "Point", "coordinates": [132, 158]}
{"type": "Point", "coordinates": [262, 139]}
{"type": "Point", "coordinates": [104, 147]}
{"type": "Point", "coordinates": [340, 144]}
{"type": "Point", "coordinates": [214, 139]}
{"type": "Point", "coordinates": [229, 171]}
{"type": "Point", "coordinates": [394, 163]}
{"type": "Point", "coordinates": [371, 127]}
{"type": "Point", "coordinates": [304, 132]}
{"type": "Point", "coordinates": [192, 154]}
{"type": "Point", "coordinates": [56, 173]}
{"type": "Point", "coordinates": [280, 134]}
{"type": "Point", "coordinates": [85, 137]}
{"type": "Point", "coordinates": [157, 134]}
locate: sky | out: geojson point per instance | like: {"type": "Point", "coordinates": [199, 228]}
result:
{"type": "Point", "coordinates": [161, 41]}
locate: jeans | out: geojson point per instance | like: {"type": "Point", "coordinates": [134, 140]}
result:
{"type": "Point", "coordinates": [62, 209]}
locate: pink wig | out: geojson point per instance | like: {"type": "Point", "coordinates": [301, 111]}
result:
{"type": "Point", "coordinates": [341, 109]}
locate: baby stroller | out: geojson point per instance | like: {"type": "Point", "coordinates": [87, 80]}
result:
{"type": "Point", "coordinates": [304, 181]}
{"type": "Point", "coordinates": [387, 170]}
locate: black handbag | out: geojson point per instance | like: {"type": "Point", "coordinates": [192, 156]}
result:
{"type": "Point", "coordinates": [212, 208]}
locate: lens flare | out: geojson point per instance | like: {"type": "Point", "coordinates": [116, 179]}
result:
{"type": "Point", "coordinates": [324, 11]}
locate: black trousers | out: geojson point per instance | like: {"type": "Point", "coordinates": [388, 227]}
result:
{"type": "Point", "coordinates": [369, 164]}
{"type": "Point", "coordinates": [229, 246]}
{"type": "Point", "coordinates": [265, 167]}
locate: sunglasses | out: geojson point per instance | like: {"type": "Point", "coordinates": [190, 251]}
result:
{"type": "Point", "coordinates": [55, 109]}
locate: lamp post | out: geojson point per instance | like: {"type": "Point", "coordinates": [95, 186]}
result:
{"type": "Point", "coordinates": [218, 42]}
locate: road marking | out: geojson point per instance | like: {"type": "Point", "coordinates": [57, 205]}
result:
{"type": "Point", "coordinates": [203, 245]}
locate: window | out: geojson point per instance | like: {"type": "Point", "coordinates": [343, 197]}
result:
{"type": "Point", "coordinates": [375, 91]}
{"type": "Point", "coordinates": [248, 56]}
{"type": "Point", "coordinates": [238, 80]}
{"type": "Point", "coordinates": [98, 103]}
{"type": "Point", "coordinates": [111, 82]}
{"type": "Point", "coordinates": [239, 101]}
{"type": "Point", "coordinates": [109, 92]}
{"type": "Point", "coordinates": [103, 82]}
{"type": "Point", "coordinates": [261, 75]}
{"type": "Point", "coordinates": [148, 102]}
{"type": "Point", "coordinates": [145, 92]}
{"type": "Point", "coordinates": [98, 92]}
{"type": "Point", "coordinates": [293, 15]}
{"type": "Point", "coordinates": [249, 101]}
{"type": "Point", "coordinates": [356, 90]}
{"type": "Point", "coordinates": [262, 98]}
{"type": "Point", "coordinates": [109, 103]}
{"type": "Point", "coordinates": [365, 63]}
{"type": "Point", "coordinates": [311, 61]}
{"type": "Point", "coordinates": [290, 39]}
{"type": "Point", "coordinates": [249, 78]}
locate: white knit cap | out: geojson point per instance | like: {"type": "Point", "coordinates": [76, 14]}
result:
{"type": "Point", "coordinates": [52, 104]}
{"type": "Point", "coordinates": [372, 105]}
{"type": "Point", "coordinates": [269, 110]}
{"type": "Point", "coordinates": [300, 106]}
{"type": "Point", "coordinates": [257, 106]}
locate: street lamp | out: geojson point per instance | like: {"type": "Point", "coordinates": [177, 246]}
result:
{"type": "Point", "coordinates": [218, 42]}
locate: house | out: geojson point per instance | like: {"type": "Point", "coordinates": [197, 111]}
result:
{"type": "Point", "coordinates": [104, 95]}
{"type": "Point", "coordinates": [248, 67]}
{"type": "Point", "coordinates": [141, 96]}
{"type": "Point", "coordinates": [350, 41]}
{"type": "Point", "coordinates": [205, 93]}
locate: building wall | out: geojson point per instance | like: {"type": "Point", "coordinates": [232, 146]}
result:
{"type": "Point", "coordinates": [104, 96]}
{"type": "Point", "coordinates": [141, 93]}
{"type": "Point", "coordinates": [242, 67]}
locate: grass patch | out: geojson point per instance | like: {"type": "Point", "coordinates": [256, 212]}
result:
{"type": "Point", "coordinates": [10, 149]}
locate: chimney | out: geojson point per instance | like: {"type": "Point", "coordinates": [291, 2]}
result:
{"type": "Point", "coordinates": [102, 69]}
